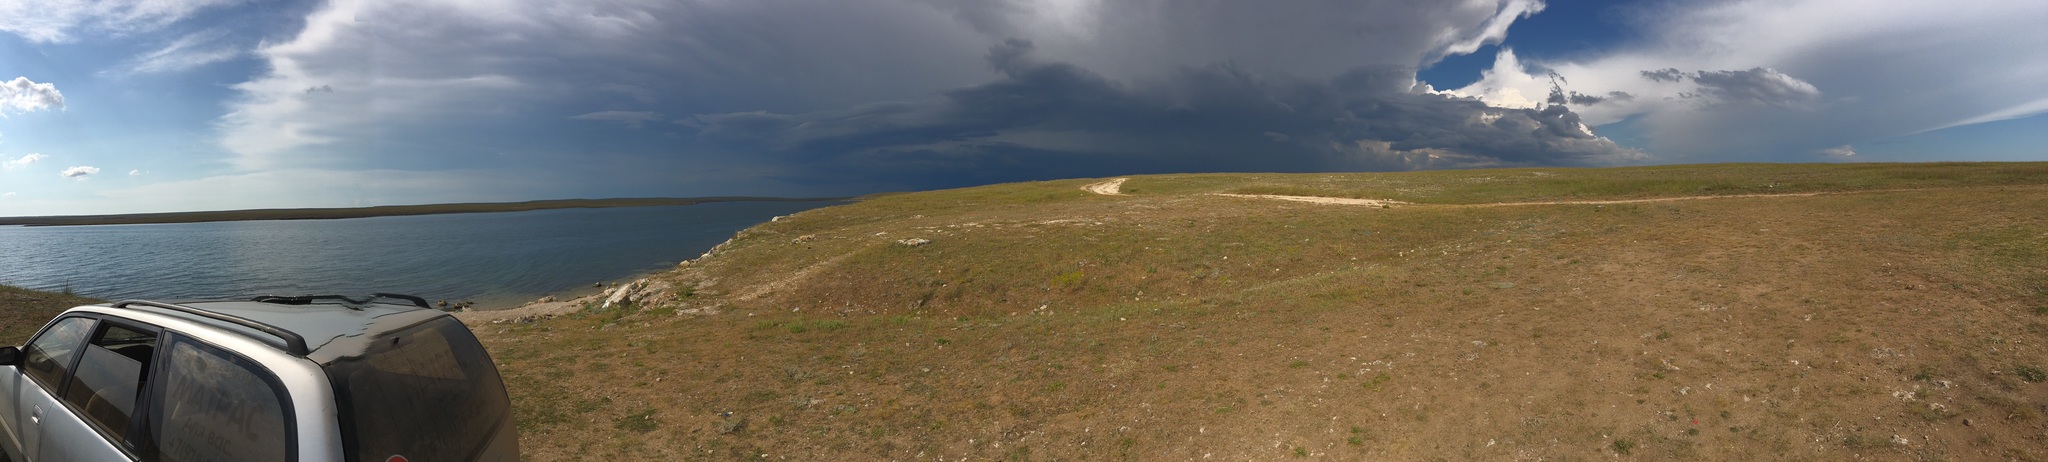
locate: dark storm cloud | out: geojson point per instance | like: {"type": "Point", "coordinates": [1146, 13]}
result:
{"type": "Point", "coordinates": [1053, 119]}
{"type": "Point", "coordinates": [1316, 38]}
{"type": "Point", "coordinates": [1583, 99]}
{"type": "Point", "coordinates": [1665, 75]}
{"type": "Point", "coordinates": [868, 95]}
{"type": "Point", "coordinates": [1757, 85]}
{"type": "Point", "coordinates": [1754, 86]}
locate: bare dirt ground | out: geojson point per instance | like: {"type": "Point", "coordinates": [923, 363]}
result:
{"type": "Point", "coordinates": [1106, 188]}
{"type": "Point", "coordinates": [1321, 200]}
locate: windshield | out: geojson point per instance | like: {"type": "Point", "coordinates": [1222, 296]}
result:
{"type": "Point", "coordinates": [426, 392]}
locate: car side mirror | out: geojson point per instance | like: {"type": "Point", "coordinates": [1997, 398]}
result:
{"type": "Point", "coordinates": [10, 356]}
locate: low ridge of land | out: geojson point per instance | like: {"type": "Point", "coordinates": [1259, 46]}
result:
{"type": "Point", "coordinates": [1887, 311]}
{"type": "Point", "coordinates": [378, 211]}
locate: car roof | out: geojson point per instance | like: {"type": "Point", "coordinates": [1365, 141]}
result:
{"type": "Point", "coordinates": [330, 330]}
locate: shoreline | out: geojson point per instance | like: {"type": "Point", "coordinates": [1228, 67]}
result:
{"type": "Point", "coordinates": [383, 210]}
{"type": "Point", "coordinates": [551, 305]}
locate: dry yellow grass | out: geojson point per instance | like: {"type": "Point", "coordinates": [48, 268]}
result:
{"type": "Point", "coordinates": [1042, 322]}
{"type": "Point", "coordinates": [23, 311]}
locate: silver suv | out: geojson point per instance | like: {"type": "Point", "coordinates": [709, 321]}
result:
{"type": "Point", "coordinates": [324, 378]}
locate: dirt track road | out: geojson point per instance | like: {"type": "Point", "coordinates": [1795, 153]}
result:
{"type": "Point", "coordinates": [1106, 188]}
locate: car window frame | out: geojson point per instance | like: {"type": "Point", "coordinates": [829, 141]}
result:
{"type": "Point", "coordinates": [149, 448]}
{"type": "Point", "coordinates": [127, 443]}
{"type": "Point", "coordinates": [70, 364]}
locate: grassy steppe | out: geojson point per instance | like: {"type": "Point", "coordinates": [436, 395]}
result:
{"type": "Point", "coordinates": [1904, 319]}
{"type": "Point", "coordinates": [22, 311]}
{"type": "Point", "coordinates": [1900, 315]}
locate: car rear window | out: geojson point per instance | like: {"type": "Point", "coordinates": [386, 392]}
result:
{"type": "Point", "coordinates": [426, 392]}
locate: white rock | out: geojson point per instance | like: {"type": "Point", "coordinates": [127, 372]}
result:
{"type": "Point", "coordinates": [622, 294]}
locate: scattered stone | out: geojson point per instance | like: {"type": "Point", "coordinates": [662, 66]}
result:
{"type": "Point", "coordinates": [622, 294]}
{"type": "Point", "coordinates": [803, 239]}
{"type": "Point", "coordinates": [1968, 423]}
{"type": "Point", "coordinates": [778, 218]}
{"type": "Point", "coordinates": [443, 304]}
{"type": "Point", "coordinates": [914, 242]}
{"type": "Point", "coordinates": [547, 299]}
{"type": "Point", "coordinates": [731, 426]}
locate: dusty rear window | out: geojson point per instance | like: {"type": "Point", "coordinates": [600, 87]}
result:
{"type": "Point", "coordinates": [426, 392]}
{"type": "Point", "coordinates": [218, 406]}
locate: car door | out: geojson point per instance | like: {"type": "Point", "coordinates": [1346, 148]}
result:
{"type": "Point", "coordinates": [98, 401]}
{"type": "Point", "coordinates": [14, 414]}
{"type": "Point", "coordinates": [31, 394]}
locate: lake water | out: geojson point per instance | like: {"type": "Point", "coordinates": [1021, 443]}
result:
{"type": "Point", "coordinates": [495, 259]}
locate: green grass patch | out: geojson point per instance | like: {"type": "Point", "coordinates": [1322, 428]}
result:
{"type": "Point", "coordinates": [638, 422]}
{"type": "Point", "coordinates": [2030, 373]}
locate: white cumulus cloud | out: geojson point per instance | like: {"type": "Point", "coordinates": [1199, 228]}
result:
{"type": "Point", "coordinates": [1492, 32]}
{"type": "Point", "coordinates": [1839, 152]}
{"type": "Point", "coordinates": [136, 172]}
{"type": "Point", "coordinates": [80, 171]}
{"type": "Point", "coordinates": [1760, 80]}
{"type": "Point", "coordinates": [23, 161]}
{"type": "Point", "coordinates": [23, 95]}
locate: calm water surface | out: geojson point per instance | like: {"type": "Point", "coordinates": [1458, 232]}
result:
{"type": "Point", "coordinates": [496, 259]}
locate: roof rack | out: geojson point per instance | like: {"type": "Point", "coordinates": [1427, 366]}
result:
{"type": "Point", "coordinates": [310, 299]}
{"type": "Point", "coordinates": [293, 343]}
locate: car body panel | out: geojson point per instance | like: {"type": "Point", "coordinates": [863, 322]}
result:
{"type": "Point", "coordinates": [11, 381]}
{"type": "Point", "coordinates": [28, 402]}
{"type": "Point", "coordinates": [62, 435]}
{"type": "Point", "coordinates": [12, 410]}
{"type": "Point", "coordinates": [305, 386]}
{"type": "Point", "coordinates": [304, 381]}
{"type": "Point", "coordinates": [44, 426]}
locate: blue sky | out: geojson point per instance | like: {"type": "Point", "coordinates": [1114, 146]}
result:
{"type": "Point", "coordinates": [170, 105]}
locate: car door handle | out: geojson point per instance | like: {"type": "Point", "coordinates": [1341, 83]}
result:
{"type": "Point", "coordinates": [35, 415]}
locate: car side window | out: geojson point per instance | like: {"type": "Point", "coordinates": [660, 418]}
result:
{"type": "Point", "coordinates": [48, 358]}
{"type": "Point", "coordinates": [215, 405]}
{"type": "Point", "coordinates": [111, 373]}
